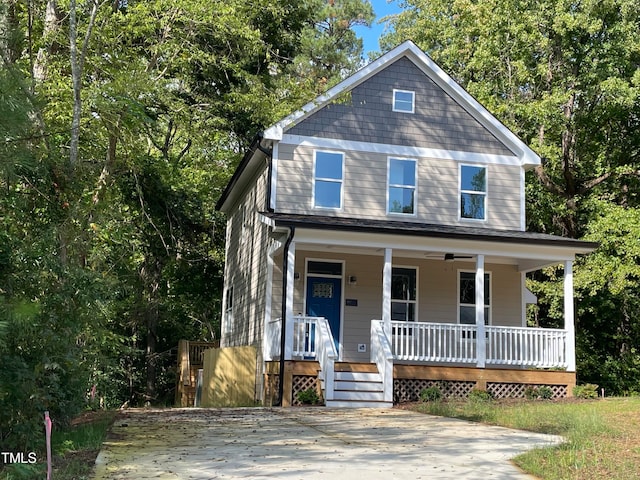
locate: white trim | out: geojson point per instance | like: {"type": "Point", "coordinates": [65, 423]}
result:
{"type": "Point", "coordinates": [415, 187]}
{"type": "Point", "coordinates": [331, 180]}
{"type": "Point", "coordinates": [435, 73]}
{"type": "Point", "coordinates": [413, 101]}
{"type": "Point", "coordinates": [274, 175]}
{"type": "Point", "coordinates": [473, 192]}
{"type": "Point", "coordinates": [569, 314]}
{"type": "Point", "coordinates": [386, 291]}
{"type": "Point", "coordinates": [401, 151]}
{"type": "Point", "coordinates": [288, 313]}
{"type": "Point", "coordinates": [481, 343]}
{"type": "Point", "coordinates": [341, 277]}
{"type": "Point", "coordinates": [523, 201]}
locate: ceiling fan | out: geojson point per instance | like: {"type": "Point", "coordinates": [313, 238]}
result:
{"type": "Point", "coordinates": [448, 257]}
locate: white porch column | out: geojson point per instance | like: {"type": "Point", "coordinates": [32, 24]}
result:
{"type": "Point", "coordinates": [481, 343]}
{"type": "Point", "coordinates": [288, 314]}
{"type": "Point", "coordinates": [569, 324]}
{"type": "Point", "coordinates": [386, 292]}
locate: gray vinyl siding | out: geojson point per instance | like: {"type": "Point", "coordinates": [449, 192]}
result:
{"type": "Point", "coordinates": [246, 268]}
{"type": "Point", "coordinates": [437, 294]}
{"type": "Point", "coordinates": [365, 189]}
{"type": "Point", "coordinates": [366, 115]}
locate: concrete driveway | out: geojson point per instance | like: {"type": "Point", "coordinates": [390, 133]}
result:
{"type": "Point", "coordinates": [308, 443]}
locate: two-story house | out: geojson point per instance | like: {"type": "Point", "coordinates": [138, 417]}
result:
{"type": "Point", "coordinates": [376, 240]}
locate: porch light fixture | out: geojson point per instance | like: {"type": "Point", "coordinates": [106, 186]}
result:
{"type": "Point", "coordinates": [296, 276]}
{"type": "Point", "coordinates": [353, 280]}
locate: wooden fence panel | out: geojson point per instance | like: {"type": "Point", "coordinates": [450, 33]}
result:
{"type": "Point", "coordinates": [229, 377]}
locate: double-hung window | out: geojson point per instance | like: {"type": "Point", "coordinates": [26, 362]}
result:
{"type": "Point", "coordinates": [467, 296]}
{"type": "Point", "coordinates": [402, 186]}
{"type": "Point", "coordinates": [473, 192]}
{"type": "Point", "coordinates": [404, 293]}
{"type": "Point", "coordinates": [328, 177]}
{"type": "Point", "coordinates": [404, 101]}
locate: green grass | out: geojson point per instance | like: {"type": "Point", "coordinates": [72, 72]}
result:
{"type": "Point", "coordinates": [74, 450]}
{"type": "Point", "coordinates": [602, 436]}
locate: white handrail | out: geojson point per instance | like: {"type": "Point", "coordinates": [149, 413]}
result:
{"type": "Point", "coordinates": [326, 355]}
{"type": "Point", "coordinates": [382, 356]}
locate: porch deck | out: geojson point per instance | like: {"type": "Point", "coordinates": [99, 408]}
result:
{"type": "Point", "coordinates": [419, 355]}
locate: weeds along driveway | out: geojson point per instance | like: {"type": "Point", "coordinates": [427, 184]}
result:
{"type": "Point", "coordinates": [308, 443]}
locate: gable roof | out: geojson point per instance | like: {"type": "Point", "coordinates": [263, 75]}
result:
{"type": "Point", "coordinates": [254, 157]}
{"type": "Point", "coordinates": [408, 49]}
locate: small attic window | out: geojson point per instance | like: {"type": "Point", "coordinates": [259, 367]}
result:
{"type": "Point", "coordinates": [403, 101]}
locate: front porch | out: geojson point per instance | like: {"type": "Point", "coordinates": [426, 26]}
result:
{"type": "Point", "coordinates": [416, 356]}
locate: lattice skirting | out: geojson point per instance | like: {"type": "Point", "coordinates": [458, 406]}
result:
{"type": "Point", "coordinates": [517, 390]}
{"type": "Point", "coordinates": [302, 383]}
{"type": "Point", "coordinates": [408, 390]}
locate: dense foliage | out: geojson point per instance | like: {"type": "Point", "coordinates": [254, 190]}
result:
{"type": "Point", "coordinates": [120, 124]}
{"type": "Point", "coordinates": [565, 76]}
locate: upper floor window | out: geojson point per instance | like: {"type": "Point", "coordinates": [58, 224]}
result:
{"type": "Point", "coordinates": [328, 177]}
{"type": "Point", "coordinates": [404, 293]}
{"type": "Point", "coordinates": [401, 186]}
{"type": "Point", "coordinates": [473, 192]}
{"type": "Point", "coordinates": [467, 298]}
{"type": "Point", "coordinates": [403, 101]}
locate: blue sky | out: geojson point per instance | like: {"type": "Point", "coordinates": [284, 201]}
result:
{"type": "Point", "coordinates": [370, 35]}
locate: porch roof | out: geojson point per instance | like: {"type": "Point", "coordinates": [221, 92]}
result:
{"type": "Point", "coordinates": [416, 229]}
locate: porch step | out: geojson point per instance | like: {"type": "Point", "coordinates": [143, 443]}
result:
{"type": "Point", "coordinates": [355, 367]}
{"type": "Point", "coordinates": [358, 385]}
{"type": "Point", "coordinates": [357, 404]}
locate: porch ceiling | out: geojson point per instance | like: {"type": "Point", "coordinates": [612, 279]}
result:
{"type": "Point", "coordinates": [528, 251]}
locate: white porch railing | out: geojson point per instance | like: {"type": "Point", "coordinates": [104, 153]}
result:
{"type": "Point", "coordinates": [311, 339]}
{"type": "Point", "coordinates": [531, 347]}
{"type": "Point", "coordinates": [434, 342]}
{"type": "Point", "coordinates": [382, 356]}
{"type": "Point", "coordinates": [303, 341]}
{"type": "Point", "coordinates": [453, 343]}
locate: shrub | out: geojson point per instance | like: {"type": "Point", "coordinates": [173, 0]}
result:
{"type": "Point", "coordinates": [480, 396]}
{"type": "Point", "coordinates": [309, 397]}
{"type": "Point", "coordinates": [430, 394]}
{"type": "Point", "coordinates": [534, 393]}
{"type": "Point", "coordinates": [588, 390]}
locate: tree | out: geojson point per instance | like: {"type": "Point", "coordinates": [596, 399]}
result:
{"type": "Point", "coordinates": [129, 150]}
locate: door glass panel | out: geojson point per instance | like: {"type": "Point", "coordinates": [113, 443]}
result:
{"type": "Point", "coordinates": [322, 290]}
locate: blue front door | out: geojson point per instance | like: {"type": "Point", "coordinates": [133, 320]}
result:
{"type": "Point", "coordinates": [323, 300]}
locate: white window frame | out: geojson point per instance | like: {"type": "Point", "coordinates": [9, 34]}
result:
{"type": "Point", "coordinates": [484, 194]}
{"type": "Point", "coordinates": [395, 185]}
{"type": "Point", "coordinates": [332, 180]}
{"type": "Point", "coordinates": [488, 307]}
{"type": "Point", "coordinates": [396, 107]}
{"type": "Point", "coordinates": [408, 302]}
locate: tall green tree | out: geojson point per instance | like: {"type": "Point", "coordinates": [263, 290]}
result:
{"type": "Point", "coordinates": [120, 124]}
